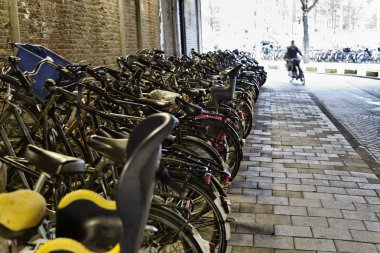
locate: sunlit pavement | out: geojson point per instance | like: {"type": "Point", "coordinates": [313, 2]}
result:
{"type": "Point", "coordinates": [353, 102]}
{"type": "Point", "coordinates": [302, 186]}
{"type": "Point", "coordinates": [322, 67]}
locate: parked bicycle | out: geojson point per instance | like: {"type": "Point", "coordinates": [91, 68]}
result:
{"type": "Point", "coordinates": [83, 122]}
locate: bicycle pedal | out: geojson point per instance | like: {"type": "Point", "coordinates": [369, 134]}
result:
{"type": "Point", "coordinates": [242, 141]}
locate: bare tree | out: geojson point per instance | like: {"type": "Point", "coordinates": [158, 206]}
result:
{"type": "Point", "coordinates": [333, 7]}
{"type": "Point", "coordinates": [306, 8]}
{"type": "Point", "coordinates": [213, 19]}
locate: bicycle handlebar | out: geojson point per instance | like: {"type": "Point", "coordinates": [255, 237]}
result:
{"type": "Point", "coordinates": [10, 79]}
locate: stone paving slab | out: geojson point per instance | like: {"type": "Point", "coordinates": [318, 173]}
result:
{"type": "Point", "coordinates": [302, 187]}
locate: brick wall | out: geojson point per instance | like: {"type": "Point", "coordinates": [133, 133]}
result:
{"type": "Point", "coordinates": [169, 17]}
{"type": "Point", "coordinates": [130, 26]}
{"type": "Point", "coordinates": [5, 28]}
{"type": "Point", "coordinates": [150, 24]}
{"type": "Point", "coordinates": [86, 29]}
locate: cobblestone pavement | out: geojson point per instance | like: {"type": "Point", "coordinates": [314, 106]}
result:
{"type": "Point", "coordinates": [354, 107]}
{"type": "Point", "coordinates": [302, 187]}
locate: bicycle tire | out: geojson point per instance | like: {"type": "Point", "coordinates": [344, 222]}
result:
{"type": "Point", "coordinates": [248, 117]}
{"type": "Point", "coordinates": [174, 230]}
{"type": "Point", "coordinates": [202, 148]}
{"type": "Point", "coordinates": [208, 215]}
{"type": "Point", "coordinates": [231, 148]}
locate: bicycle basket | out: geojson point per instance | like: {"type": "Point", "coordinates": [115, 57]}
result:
{"type": "Point", "coordinates": [30, 56]}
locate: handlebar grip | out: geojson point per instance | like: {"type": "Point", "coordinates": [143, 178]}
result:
{"type": "Point", "coordinates": [66, 72]}
{"type": "Point", "coordinates": [50, 85]}
{"type": "Point", "coordinates": [120, 62]}
{"type": "Point", "coordinates": [10, 79]}
{"type": "Point", "coordinates": [67, 94]}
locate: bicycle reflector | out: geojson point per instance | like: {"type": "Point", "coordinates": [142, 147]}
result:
{"type": "Point", "coordinates": [208, 178]}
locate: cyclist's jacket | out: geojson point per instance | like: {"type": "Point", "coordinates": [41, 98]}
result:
{"type": "Point", "coordinates": [292, 52]}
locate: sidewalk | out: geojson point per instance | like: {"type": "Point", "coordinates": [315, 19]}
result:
{"type": "Point", "coordinates": [302, 187]}
{"type": "Point", "coordinates": [362, 70]}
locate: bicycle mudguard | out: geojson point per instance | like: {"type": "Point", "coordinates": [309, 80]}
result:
{"type": "Point", "coordinates": [20, 212]}
{"type": "Point", "coordinates": [69, 246]}
{"type": "Point", "coordinates": [89, 219]}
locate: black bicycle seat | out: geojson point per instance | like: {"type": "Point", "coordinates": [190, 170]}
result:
{"type": "Point", "coordinates": [53, 163]}
{"type": "Point", "coordinates": [189, 108]}
{"type": "Point", "coordinates": [114, 149]}
{"type": "Point", "coordinates": [248, 73]}
{"type": "Point", "coordinates": [244, 85]}
{"type": "Point", "coordinates": [110, 133]}
{"type": "Point", "coordinates": [159, 104]}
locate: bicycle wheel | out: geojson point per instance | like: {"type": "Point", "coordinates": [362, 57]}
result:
{"type": "Point", "coordinates": [3, 176]}
{"type": "Point", "coordinates": [207, 213]}
{"type": "Point", "coordinates": [302, 78]}
{"type": "Point", "coordinates": [10, 120]}
{"type": "Point", "coordinates": [201, 148]}
{"type": "Point", "coordinates": [247, 117]}
{"type": "Point", "coordinates": [225, 140]}
{"type": "Point", "coordinates": [174, 233]}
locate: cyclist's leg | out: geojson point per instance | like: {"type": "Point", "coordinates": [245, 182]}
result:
{"type": "Point", "coordinates": [300, 72]}
{"type": "Point", "coordinates": [289, 67]}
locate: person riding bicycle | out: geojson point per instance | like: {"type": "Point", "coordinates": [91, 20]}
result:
{"type": "Point", "coordinates": [291, 55]}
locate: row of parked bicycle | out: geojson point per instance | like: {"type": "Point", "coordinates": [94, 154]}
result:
{"type": "Point", "coordinates": [99, 159]}
{"type": "Point", "coordinates": [347, 55]}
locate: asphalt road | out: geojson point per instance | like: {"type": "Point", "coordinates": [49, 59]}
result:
{"type": "Point", "coordinates": [354, 102]}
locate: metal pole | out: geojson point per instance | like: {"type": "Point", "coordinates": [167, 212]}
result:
{"type": "Point", "coordinates": [138, 24]}
{"type": "Point", "coordinates": [15, 25]}
{"type": "Point", "coordinates": [123, 43]}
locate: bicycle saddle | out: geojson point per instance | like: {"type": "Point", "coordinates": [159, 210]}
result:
{"type": "Point", "coordinates": [110, 133]}
{"type": "Point", "coordinates": [53, 163]}
{"type": "Point", "coordinates": [159, 104]}
{"type": "Point", "coordinates": [20, 212]}
{"type": "Point", "coordinates": [99, 224]}
{"type": "Point", "coordinates": [244, 85]}
{"type": "Point", "coordinates": [194, 92]}
{"type": "Point", "coordinates": [189, 108]}
{"type": "Point", "coordinates": [114, 149]}
{"type": "Point", "coordinates": [248, 73]}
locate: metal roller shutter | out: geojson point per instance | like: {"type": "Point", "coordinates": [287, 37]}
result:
{"type": "Point", "coordinates": [191, 26]}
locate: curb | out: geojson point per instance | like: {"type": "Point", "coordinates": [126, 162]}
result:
{"type": "Point", "coordinates": [331, 71]}
{"type": "Point", "coordinates": [311, 69]}
{"type": "Point", "coordinates": [335, 71]}
{"type": "Point", "coordinates": [372, 73]}
{"type": "Point", "coordinates": [350, 72]}
{"type": "Point", "coordinates": [363, 152]}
